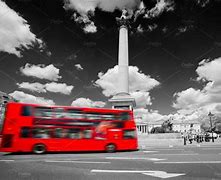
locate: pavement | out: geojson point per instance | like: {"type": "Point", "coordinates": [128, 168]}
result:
{"type": "Point", "coordinates": [179, 142]}
{"type": "Point", "coordinates": [154, 162]}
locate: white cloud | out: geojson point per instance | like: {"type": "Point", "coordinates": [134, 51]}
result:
{"type": "Point", "coordinates": [28, 98]}
{"type": "Point", "coordinates": [79, 67]}
{"type": "Point", "coordinates": [86, 9]}
{"type": "Point", "coordinates": [190, 98]}
{"type": "Point", "coordinates": [140, 29]}
{"type": "Point", "coordinates": [142, 98]}
{"type": "Point", "coordinates": [146, 116]}
{"type": "Point", "coordinates": [50, 87]}
{"type": "Point", "coordinates": [153, 116]}
{"type": "Point", "coordinates": [88, 25]}
{"type": "Point", "coordinates": [152, 27]}
{"type": "Point", "coordinates": [206, 99]}
{"type": "Point", "coordinates": [83, 6]}
{"type": "Point", "coordinates": [139, 84]}
{"type": "Point", "coordinates": [15, 33]}
{"type": "Point", "coordinates": [90, 28]}
{"type": "Point", "coordinates": [85, 102]}
{"type": "Point", "coordinates": [59, 88]}
{"type": "Point", "coordinates": [160, 7]}
{"type": "Point", "coordinates": [80, 6]}
{"type": "Point", "coordinates": [41, 71]}
{"type": "Point", "coordinates": [209, 70]}
{"type": "Point", "coordinates": [37, 87]}
{"type": "Point", "coordinates": [194, 104]}
{"type": "Point", "coordinates": [202, 3]}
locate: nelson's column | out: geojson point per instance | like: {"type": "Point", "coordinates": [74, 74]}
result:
{"type": "Point", "coordinates": [122, 99]}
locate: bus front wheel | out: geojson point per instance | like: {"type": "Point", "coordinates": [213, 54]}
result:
{"type": "Point", "coordinates": [39, 149]}
{"type": "Point", "coordinates": [110, 148]}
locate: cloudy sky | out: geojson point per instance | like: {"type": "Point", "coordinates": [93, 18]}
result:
{"type": "Point", "coordinates": [65, 52]}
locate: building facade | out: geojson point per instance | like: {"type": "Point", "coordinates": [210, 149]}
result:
{"type": "Point", "coordinates": [188, 126]}
{"type": "Point", "coordinates": [181, 127]}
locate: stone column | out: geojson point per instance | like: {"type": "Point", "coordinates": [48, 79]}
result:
{"type": "Point", "coordinates": [122, 99]}
{"type": "Point", "coordinates": [123, 81]}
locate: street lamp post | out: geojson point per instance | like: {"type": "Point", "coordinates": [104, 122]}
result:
{"type": "Point", "coordinates": [211, 126]}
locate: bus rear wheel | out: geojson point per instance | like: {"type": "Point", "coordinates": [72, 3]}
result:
{"type": "Point", "coordinates": [110, 148]}
{"type": "Point", "coordinates": [39, 149]}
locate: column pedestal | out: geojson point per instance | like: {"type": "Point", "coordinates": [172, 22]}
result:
{"type": "Point", "coordinates": [122, 101]}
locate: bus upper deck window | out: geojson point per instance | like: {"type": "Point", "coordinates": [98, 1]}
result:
{"type": "Point", "coordinates": [109, 116]}
{"type": "Point", "coordinates": [75, 113]}
{"type": "Point", "coordinates": [93, 115]}
{"type": "Point", "coordinates": [26, 111]}
{"type": "Point", "coordinates": [59, 113]}
{"type": "Point", "coordinates": [125, 116]}
{"type": "Point", "coordinates": [43, 112]}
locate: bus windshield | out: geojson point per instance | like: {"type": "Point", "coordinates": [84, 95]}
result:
{"type": "Point", "coordinates": [2, 116]}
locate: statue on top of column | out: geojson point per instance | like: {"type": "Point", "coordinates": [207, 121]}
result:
{"type": "Point", "coordinates": [124, 19]}
{"type": "Point", "coordinates": [124, 14]}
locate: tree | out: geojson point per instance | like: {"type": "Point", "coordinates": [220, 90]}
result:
{"type": "Point", "coordinates": [205, 126]}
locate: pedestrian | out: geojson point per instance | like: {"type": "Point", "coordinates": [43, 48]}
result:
{"type": "Point", "coordinates": [190, 137]}
{"type": "Point", "coordinates": [197, 138]}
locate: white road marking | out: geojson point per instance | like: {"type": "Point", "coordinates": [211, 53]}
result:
{"type": "Point", "coordinates": [173, 149]}
{"type": "Point", "coordinates": [193, 154]}
{"type": "Point", "coordinates": [190, 162]}
{"type": "Point", "coordinates": [149, 151]}
{"type": "Point", "coordinates": [209, 148]}
{"type": "Point", "coordinates": [7, 160]}
{"type": "Point", "coordinates": [163, 175]}
{"type": "Point", "coordinates": [83, 162]}
{"type": "Point", "coordinates": [159, 174]}
{"type": "Point", "coordinates": [135, 158]}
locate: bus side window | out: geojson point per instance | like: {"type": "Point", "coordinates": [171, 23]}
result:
{"type": "Point", "coordinates": [60, 133]}
{"type": "Point", "coordinates": [41, 133]}
{"type": "Point", "coordinates": [26, 111]}
{"type": "Point", "coordinates": [25, 132]}
{"type": "Point", "coordinates": [87, 134]}
{"type": "Point", "coordinates": [74, 134]}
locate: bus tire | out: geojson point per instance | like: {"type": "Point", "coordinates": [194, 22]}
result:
{"type": "Point", "coordinates": [110, 148]}
{"type": "Point", "coordinates": [39, 149]}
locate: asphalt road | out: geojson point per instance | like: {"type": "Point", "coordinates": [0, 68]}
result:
{"type": "Point", "coordinates": [184, 162]}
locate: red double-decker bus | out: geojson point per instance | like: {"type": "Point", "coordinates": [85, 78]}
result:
{"type": "Point", "coordinates": [40, 129]}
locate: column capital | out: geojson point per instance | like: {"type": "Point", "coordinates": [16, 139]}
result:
{"type": "Point", "coordinates": [122, 22]}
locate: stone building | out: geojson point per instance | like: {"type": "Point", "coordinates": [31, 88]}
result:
{"type": "Point", "coordinates": [187, 126]}
{"type": "Point", "coordinates": [178, 126]}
